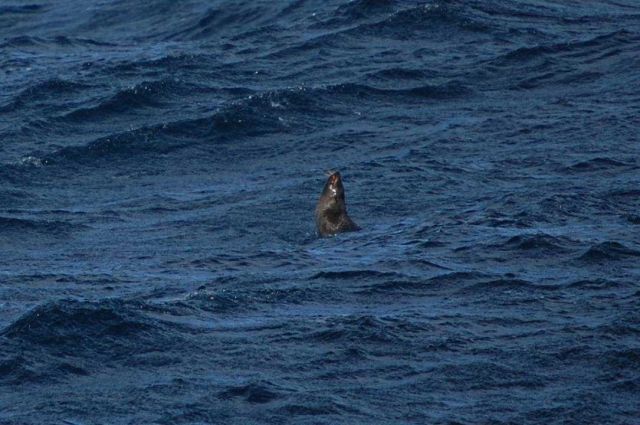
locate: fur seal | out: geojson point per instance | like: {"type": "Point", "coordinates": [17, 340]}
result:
{"type": "Point", "coordinates": [331, 211]}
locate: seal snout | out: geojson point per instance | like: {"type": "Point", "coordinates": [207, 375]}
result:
{"type": "Point", "coordinates": [334, 178]}
{"type": "Point", "coordinates": [334, 183]}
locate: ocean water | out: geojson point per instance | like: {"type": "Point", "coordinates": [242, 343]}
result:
{"type": "Point", "coordinates": [160, 162]}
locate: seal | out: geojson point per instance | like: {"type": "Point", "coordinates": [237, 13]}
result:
{"type": "Point", "coordinates": [331, 211]}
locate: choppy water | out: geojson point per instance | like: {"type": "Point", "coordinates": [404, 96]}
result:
{"type": "Point", "coordinates": [159, 166]}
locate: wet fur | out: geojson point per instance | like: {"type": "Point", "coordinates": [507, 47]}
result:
{"type": "Point", "coordinates": [331, 210]}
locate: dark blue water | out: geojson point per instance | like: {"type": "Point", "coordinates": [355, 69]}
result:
{"type": "Point", "coordinates": [160, 162]}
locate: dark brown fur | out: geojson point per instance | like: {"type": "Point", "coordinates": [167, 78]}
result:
{"type": "Point", "coordinates": [331, 211]}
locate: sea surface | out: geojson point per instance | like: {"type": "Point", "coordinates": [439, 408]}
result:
{"type": "Point", "coordinates": [160, 162]}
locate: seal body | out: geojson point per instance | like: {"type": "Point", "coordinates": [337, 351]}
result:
{"type": "Point", "coordinates": [331, 211]}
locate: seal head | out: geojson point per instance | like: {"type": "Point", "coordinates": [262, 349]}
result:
{"type": "Point", "coordinates": [331, 211]}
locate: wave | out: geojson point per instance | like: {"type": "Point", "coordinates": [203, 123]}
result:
{"type": "Point", "coordinates": [183, 66]}
{"type": "Point", "coordinates": [109, 328]}
{"type": "Point", "coordinates": [311, 409]}
{"type": "Point", "coordinates": [389, 20]}
{"type": "Point", "coordinates": [43, 91]}
{"type": "Point", "coordinates": [400, 73]}
{"type": "Point", "coordinates": [19, 369]}
{"type": "Point", "coordinates": [16, 369]}
{"type": "Point", "coordinates": [622, 359]}
{"type": "Point", "coordinates": [357, 18]}
{"type": "Point", "coordinates": [148, 94]}
{"type": "Point", "coordinates": [505, 285]}
{"type": "Point", "coordinates": [14, 197]}
{"type": "Point", "coordinates": [594, 284]}
{"type": "Point", "coordinates": [228, 20]}
{"type": "Point", "coordinates": [233, 301]}
{"type": "Point", "coordinates": [392, 20]}
{"type": "Point", "coordinates": [566, 204]}
{"type": "Point", "coordinates": [11, 225]}
{"type": "Point", "coordinates": [173, 62]}
{"type": "Point", "coordinates": [626, 326]}
{"type": "Point", "coordinates": [633, 219]}
{"type": "Point", "coordinates": [569, 64]}
{"type": "Point", "coordinates": [25, 41]}
{"type": "Point", "coordinates": [625, 194]}
{"type": "Point", "coordinates": [487, 375]}
{"type": "Point", "coordinates": [630, 385]}
{"type": "Point", "coordinates": [357, 11]}
{"type": "Point", "coordinates": [259, 392]}
{"type": "Point", "coordinates": [539, 243]}
{"type": "Point", "coordinates": [66, 322]}
{"type": "Point", "coordinates": [233, 121]}
{"type": "Point", "coordinates": [450, 90]}
{"type": "Point", "coordinates": [254, 115]}
{"type": "Point", "coordinates": [596, 164]}
{"type": "Point", "coordinates": [355, 274]}
{"type": "Point", "coordinates": [23, 9]}
{"type": "Point", "coordinates": [413, 287]}
{"type": "Point", "coordinates": [344, 355]}
{"type": "Point", "coordinates": [426, 244]}
{"type": "Point", "coordinates": [69, 338]}
{"type": "Point", "coordinates": [577, 48]}
{"type": "Point", "coordinates": [608, 251]}
{"type": "Point", "coordinates": [221, 302]}
{"type": "Point", "coordinates": [103, 280]}
{"type": "Point", "coordinates": [261, 114]}
{"type": "Point", "coordinates": [429, 16]}
{"type": "Point", "coordinates": [456, 278]}
{"type": "Point", "coordinates": [501, 217]}
{"type": "Point", "coordinates": [366, 329]}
